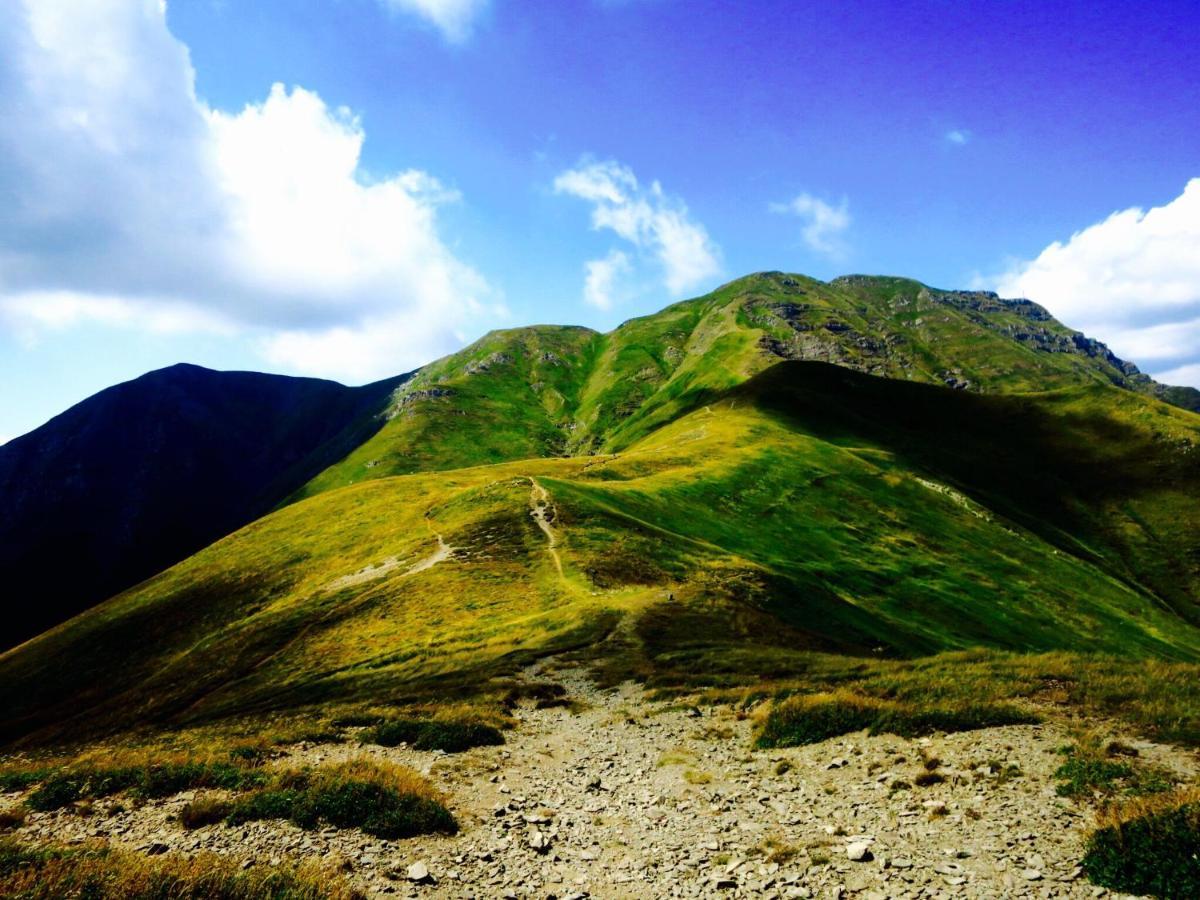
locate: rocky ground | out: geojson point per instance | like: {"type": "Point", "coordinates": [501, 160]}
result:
{"type": "Point", "coordinates": [619, 797]}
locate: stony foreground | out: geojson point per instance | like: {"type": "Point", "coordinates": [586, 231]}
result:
{"type": "Point", "coordinates": [619, 797]}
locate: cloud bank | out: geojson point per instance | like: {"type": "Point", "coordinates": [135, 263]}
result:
{"type": "Point", "coordinates": [133, 203]}
{"type": "Point", "coordinates": [1132, 280]}
{"type": "Point", "coordinates": [657, 225]}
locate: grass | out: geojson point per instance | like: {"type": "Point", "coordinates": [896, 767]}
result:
{"type": "Point", "coordinates": [764, 528]}
{"type": "Point", "coordinates": [31, 872]}
{"type": "Point", "coordinates": [1095, 769]}
{"type": "Point", "coordinates": [812, 718]}
{"type": "Point", "coordinates": [1148, 847]}
{"type": "Point", "coordinates": [381, 799]}
{"type": "Point", "coordinates": [143, 782]}
{"type": "Point", "coordinates": [431, 734]}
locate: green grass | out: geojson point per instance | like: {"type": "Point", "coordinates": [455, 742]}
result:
{"type": "Point", "coordinates": [164, 780]}
{"type": "Point", "coordinates": [429, 734]}
{"type": "Point", "coordinates": [385, 801]}
{"type": "Point", "coordinates": [757, 522]}
{"type": "Point", "coordinates": [1093, 770]}
{"type": "Point", "coordinates": [812, 718]}
{"type": "Point", "coordinates": [1152, 851]}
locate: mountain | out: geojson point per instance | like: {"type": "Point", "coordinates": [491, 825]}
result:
{"type": "Point", "coordinates": [141, 475]}
{"type": "Point", "coordinates": [548, 391]}
{"type": "Point", "coordinates": [865, 466]}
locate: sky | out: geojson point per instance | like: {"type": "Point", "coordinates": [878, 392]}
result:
{"type": "Point", "coordinates": [352, 188]}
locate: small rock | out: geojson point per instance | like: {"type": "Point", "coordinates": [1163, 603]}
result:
{"type": "Point", "coordinates": [1031, 875]}
{"type": "Point", "coordinates": [418, 873]}
{"type": "Point", "coordinates": [859, 851]}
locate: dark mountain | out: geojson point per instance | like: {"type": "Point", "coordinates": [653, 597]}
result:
{"type": "Point", "coordinates": [143, 474]}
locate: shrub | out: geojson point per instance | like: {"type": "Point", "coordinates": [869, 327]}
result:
{"type": "Point", "coordinates": [907, 721]}
{"type": "Point", "coordinates": [20, 779]}
{"type": "Point", "coordinates": [204, 811]}
{"type": "Point", "coordinates": [809, 719]}
{"type": "Point", "coordinates": [1087, 772]}
{"type": "Point", "coordinates": [432, 734]}
{"type": "Point", "coordinates": [385, 801]}
{"type": "Point", "coordinates": [1157, 854]}
{"type": "Point", "coordinates": [153, 780]}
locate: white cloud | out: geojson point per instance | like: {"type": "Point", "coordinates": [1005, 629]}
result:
{"type": "Point", "coordinates": [1132, 280]}
{"type": "Point", "coordinates": [454, 18]}
{"type": "Point", "coordinates": [958, 136]}
{"type": "Point", "coordinates": [824, 225]}
{"type": "Point", "coordinates": [133, 203]}
{"type": "Point", "coordinates": [656, 224]}
{"type": "Point", "coordinates": [601, 277]}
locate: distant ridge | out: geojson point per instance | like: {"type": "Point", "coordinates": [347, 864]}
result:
{"type": "Point", "coordinates": [145, 473]}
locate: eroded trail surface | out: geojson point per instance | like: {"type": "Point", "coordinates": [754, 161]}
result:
{"type": "Point", "coordinates": [542, 512]}
{"type": "Point", "coordinates": [620, 797]}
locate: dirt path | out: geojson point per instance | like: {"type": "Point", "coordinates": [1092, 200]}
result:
{"type": "Point", "coordinates": [620, 797]}
{"type": "Point", "coordinates": [542, 510]}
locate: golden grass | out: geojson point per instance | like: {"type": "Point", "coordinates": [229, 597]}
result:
{"type": "Point", "coordinates": [99, 872]}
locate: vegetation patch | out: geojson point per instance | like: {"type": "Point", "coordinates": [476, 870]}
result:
{"type": "Point", "coordinates": [812, 718]}
{"type": "Point", "coordinates": [103, 873]}
{"type": "Point", "coordinates": [1148, 848]}
{"type": "Point", "coordinates": [145, 781]}
{"type": "Point", "coordinates": [432, 734]}
{"type": "Point", "coordinates": [384, 800]}
{"type": "Point", "coordinates": [1090, 770]}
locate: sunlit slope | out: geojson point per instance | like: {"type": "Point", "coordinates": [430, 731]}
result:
{"type": "Point", "coordinates": [812, 507]}
{"type": "Point", "coordinates": [553, 391]}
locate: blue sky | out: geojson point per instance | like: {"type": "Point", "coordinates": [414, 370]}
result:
{"type": "Point", "coordinates": [350, 188]}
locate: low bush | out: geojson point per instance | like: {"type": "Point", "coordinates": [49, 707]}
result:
{"type": "Point", "coordinates": [20, 779]}
{"type": "Point", "coordinates": [153, 780]}
{"type": "Point", "coordinates": [433, 734]}
{"type": "Point", "coordinates": [204, 811]}
{"type": "Point", "coordinates": [386, 801]}
{"type": "Point", "coordinates": [1089, 771]}
{"type": "Point", "coordinates": [1155, 853]}
{"type": "Point", "coordinates": [811, 718]}
{"type": "Point", "coordinates": [102, 873]}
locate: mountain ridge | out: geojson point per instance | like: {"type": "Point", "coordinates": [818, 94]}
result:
{"type": "Point", "coordinates": [144, 473]}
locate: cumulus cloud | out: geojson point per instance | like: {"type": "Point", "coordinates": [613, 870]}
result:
{"type": "Point", "coordinates": [958, 136]}
{"type": "Point", "coordinates": [656, 224]}
{"type": "Point", "coordinates": [824, 225]}
{"type": "Point", "coordinates": [454, 18]}
{"type": "Point", "coordinates": [133, 203]}
{"type": "Point", "coordinates": [1132, 280]}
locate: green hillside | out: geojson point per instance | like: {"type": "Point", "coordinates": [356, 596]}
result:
{"type": "Point", "coordinates": [561, 391]}
{"type": "Point", "coordinates": [807, 507]}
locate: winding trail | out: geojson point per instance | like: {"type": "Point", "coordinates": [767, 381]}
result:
{"type": "Point", "coordinates": [539, 502]}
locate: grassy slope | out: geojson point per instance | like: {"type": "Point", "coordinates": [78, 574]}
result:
{"type": "Point", "coordinates": [504, 398]}
{"type": "Point", "coordinates": [809, 508]}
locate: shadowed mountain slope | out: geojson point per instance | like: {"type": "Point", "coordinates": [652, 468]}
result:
{"type": "Point", "coordinates": [145, 473]}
